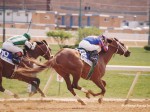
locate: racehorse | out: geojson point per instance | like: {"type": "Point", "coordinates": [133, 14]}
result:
{"type": "Point", "coordinates": [7, 69]}
{"type": "Point", "coordinates": [68, 62]}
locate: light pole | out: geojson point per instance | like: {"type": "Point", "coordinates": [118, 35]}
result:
{"type": "Point", "coordinates": [149, 26]}
{"type": "Point", "coordinates": [3, 20]}
{"type": "Point", "coordinates": [80, 15]}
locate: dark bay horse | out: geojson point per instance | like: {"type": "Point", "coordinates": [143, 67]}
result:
{"type": "Point", "coordinates": [67, 62]}
{"type": "Point", "coordinates": [7, 69]}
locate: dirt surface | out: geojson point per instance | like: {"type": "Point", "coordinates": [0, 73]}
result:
{"type": "Point", "coordinates": [73, 106]}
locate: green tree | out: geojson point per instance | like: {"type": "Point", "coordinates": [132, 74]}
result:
{"type": "Point", "coordinates": [60, 36]}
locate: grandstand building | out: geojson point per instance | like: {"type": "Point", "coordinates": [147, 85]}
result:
{"type": "Point", "coordinates": [129, 16]}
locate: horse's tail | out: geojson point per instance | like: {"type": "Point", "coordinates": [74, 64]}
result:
{"type": "Point", "coordinates": [37, 69]}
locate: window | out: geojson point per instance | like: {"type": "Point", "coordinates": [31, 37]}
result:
{"type": "Point", "coordinates": [88, 21]}
{"type": "Point", "coordinates": [141, 24]}
{"type": "Point", "coordinates": [47, 17]}
{"type": "Point", "coordinates": [18, 14]}
{"type": "Point", "coordinates": [87, 8]}
{"type": "Point", "coordinates": [8, 13]}
{"type": "Point", "coordinates": [71, 21]}
{"type": "Point", "coordinates": [106, 19]}
{"type": "Point", "coordinates": [127, 23]}
{"type": "Point", "coordinates": [63, 20]}
{"type": "Point", "coordinates": [26, 14]}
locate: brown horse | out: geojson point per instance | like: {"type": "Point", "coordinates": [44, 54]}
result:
{"type": "Point", "coordinates": [67, 62]}
{"type": "Point", "coordinates": [7, 69]}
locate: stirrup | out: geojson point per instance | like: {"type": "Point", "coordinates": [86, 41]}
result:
{"type": "Point", "coordinates": [16, 61]}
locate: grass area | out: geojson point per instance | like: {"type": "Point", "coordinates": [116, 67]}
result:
{"type": "Point", "coordinates": [139, 57]}
{"type": "Point", "coordinates": [118, 82]}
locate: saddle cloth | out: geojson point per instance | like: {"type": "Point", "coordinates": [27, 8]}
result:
{"type": "Point", "coordinates": [84, 56]}
{"type": "Point", "coordinates": [6, 56]}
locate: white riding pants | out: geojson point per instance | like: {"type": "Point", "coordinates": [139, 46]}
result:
{"type": "Point", "coordinates": [11, 47]}
{"type": "Point", "coordinates": [89, 47]}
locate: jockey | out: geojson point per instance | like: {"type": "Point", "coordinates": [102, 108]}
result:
{"type": "Point", "coordinates": [14, 44]}
{"type": "Point", "coordinates": [94, 44]}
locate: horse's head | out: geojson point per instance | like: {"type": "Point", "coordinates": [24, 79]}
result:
{"type": "Point", "coordinates": [41, 49]}
{"type": "Point", "coordinates": [44, 49]}
{"type": "Point", "coordinates": [120, 48]}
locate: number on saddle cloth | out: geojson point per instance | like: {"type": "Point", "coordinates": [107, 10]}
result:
{"type": "Point", "coordinates": [84, 53]}
{"type": "Point", "coordinates": [7, 54]}
{"type": "Point", "coordinates": [90, 55]}
{"type": "Point", "coordinates": [9, 57]}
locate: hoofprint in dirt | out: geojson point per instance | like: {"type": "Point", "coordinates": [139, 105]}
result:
{"type": "Point", "coordinates": [64, 105]}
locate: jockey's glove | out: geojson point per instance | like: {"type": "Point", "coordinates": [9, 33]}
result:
{"type": "Point", "coordinates": [33, 45]}
{"type": "Point", "coordinates": [28, 44]}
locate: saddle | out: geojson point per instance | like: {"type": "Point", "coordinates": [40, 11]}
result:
{"type": "Point", "coordinates": [90, 57]}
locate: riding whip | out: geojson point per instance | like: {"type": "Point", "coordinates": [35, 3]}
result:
{"type": "Point", "coordinates": [29, 25]}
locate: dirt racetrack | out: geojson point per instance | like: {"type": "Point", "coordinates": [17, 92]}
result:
{"type": "Point", "coordinates": [73, 106]}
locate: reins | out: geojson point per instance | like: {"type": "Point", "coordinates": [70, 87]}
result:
{"type": "Point", "coordinates": [43, 50]}
{"type": "Point", "coordinates": [117, 48]}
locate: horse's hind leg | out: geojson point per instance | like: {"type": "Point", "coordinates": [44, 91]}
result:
{"type": "Point", "coordinates": [8, 92]}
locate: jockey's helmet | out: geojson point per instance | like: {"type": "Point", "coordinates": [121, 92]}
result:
{"type": "Point", "coordinates": [103, 38]}
{"type": "Point", "coordinates": [27, 36]}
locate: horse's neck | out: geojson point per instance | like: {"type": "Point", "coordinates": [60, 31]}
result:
{"type": "Point", "coordinates": [31, 54]}
{"type": "Point", "coordinates": [108, 55]}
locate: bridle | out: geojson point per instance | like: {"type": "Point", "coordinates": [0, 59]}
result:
{"type": "Point", "coordinates": [117, 48]}
{"type": "Point", "coordinates": [47, 51]}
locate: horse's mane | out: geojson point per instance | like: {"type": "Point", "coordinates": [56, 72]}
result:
{"type": "Point", "coordinates": [41, 42]}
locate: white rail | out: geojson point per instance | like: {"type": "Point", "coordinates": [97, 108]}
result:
{"type": "Point", "coordinates": [138, 69]}
{"type": "Point", "coordinates": [128, 68]}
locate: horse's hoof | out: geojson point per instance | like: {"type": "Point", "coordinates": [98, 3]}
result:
{"type": "Point", "coordinates": [43, 95]}
{"type": "Point", "coordinates": [88, 95]}
{"type": "Point", "coordinates": [126, 102]}
{"type": "Point", "coordinates": [82, 102]}
{"type": "Point", "coordinates": [32, 93]}
{"type": "Point", "coordinates": [16, 96]}
{"type": "Point", "coordinates": [100, 100]}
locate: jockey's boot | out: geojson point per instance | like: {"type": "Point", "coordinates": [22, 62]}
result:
{"type": "Point", "coordinates": [94, 57]}
{"type": "Point", "coordinates": [16, 57]}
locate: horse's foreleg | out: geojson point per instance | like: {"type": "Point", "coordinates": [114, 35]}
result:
{"type": "Point", "coordinates": [76, 86]}
{"type": "Point", "coordinates": [30, 80]}
{"type": "Point", "coordinates": [70, 88]}
{"type": "Point", "coordinates": [38, 89]}
{"type": "Point", "coordinates": [101, 84]}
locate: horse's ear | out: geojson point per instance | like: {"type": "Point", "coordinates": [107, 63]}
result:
{"type": "Point", "coordinates": [38, 43]}
{"type": "Point", "coordinates": [44, 41]}
{"type": "Point", "coordinates": [109, 40]}
{"type": "Point", "coordinates": [116, 39]}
